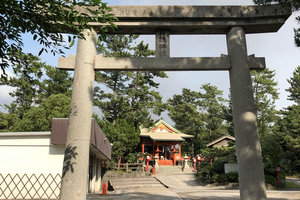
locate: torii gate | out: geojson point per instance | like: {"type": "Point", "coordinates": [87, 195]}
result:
{"type": "Point", "coordinates": [234, 21]}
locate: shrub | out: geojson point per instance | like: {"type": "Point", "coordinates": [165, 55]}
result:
{"type": "Point", "coordinates": [233, 177]}
{"type": "Point", "coordinates": [205, 173]}
{"type": "Point", "coordinates": [270, 180]}
{"type": "Point", "coordinates": [218, 167]}
{"type": "Point", "coordinates": [223, 178]}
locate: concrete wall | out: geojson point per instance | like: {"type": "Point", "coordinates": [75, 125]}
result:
{"type": "Point", "coordinates": [230, 167]}
{"type": "Point", "coordinates": [30, 154]}
{"type": "Point", "coordinates": [29, 162]}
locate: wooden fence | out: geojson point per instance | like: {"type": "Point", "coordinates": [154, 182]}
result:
{"type": "Point", "coordinates": [130, 167]}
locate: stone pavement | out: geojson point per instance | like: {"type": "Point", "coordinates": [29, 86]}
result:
{"type": "Point", "coordinates": [293, 180]}
{"type": "Point", "coordinates": [139, 194]}
{"type": "Point", "coordinates": [183, 186]}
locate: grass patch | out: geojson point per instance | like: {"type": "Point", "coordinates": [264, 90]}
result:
{"type": "Point", "coordinates": [291, 186]}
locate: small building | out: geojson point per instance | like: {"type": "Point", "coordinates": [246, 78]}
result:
{"type": "Point", "coordinates": [221, 141]}
{"type": "Point", "coordinates": [164, 141]}
{"type": "Point", "coordinates": [32, 162]}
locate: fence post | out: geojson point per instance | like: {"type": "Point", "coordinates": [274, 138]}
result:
{"type": "Point", "coordinates": [126, 167]}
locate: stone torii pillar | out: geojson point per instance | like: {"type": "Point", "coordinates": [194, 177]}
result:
{"type": "Point", "coordinates": [248, 149]}
{"type": "Point", "coordinates": [76, 159]}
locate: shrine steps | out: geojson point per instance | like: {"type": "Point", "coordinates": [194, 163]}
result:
{"type": "Point", "coordinates": [138, 182]}
{"type": "Point", "coordinates": [169, 169]}
{"type": "Point", "coordinates": [165, 162]}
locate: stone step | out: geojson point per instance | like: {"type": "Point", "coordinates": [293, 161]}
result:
{"type": "Point", "coordinates": [121, 180]}
{"type": "Point", "coordinates": [169, 169]}
{"type": "Point", "coordinates": [130, 183]}
{"type": "Point", "coordinates": [117, 182]}
{"type": "Point", "coordinates": [159, 185]}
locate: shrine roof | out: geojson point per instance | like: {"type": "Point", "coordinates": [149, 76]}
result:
{"type": "Point", "coordinates": [220, 139]}
{"type": "Point", "coordinates": [162, 131]}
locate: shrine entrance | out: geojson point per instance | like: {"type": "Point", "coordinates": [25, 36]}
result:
{"type": "Point", "coordinates": [233, 21]}
{"type": "Point", "coordinates": [163, 142]}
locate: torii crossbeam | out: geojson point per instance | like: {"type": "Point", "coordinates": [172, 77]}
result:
{"type": "Point", "coordinates": [234, 21]}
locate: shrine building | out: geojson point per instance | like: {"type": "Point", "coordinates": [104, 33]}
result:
{"type": "Point", "coordinates": [164, 141]}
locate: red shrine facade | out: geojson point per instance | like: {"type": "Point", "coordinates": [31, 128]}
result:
{"type": "Point", "coordinates": [164, 141]}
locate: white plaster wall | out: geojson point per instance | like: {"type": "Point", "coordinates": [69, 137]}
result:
{"type": "Point", "coordinates": [30, 155]}
{"type": "Point", "coordinates": [230, 167]}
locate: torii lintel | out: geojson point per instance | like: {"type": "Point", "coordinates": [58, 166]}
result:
{"type": "Point", "coordinates": [162, 63]}
{"type": "Point", "coordinates": [195, 19]}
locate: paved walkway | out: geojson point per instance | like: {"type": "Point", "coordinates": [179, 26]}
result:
{"type": "Point", "coordinates": [139, 194]}
{"type": "Point", "coordinates": [293, 180]}
{"type": "Point", "coordinates": [183, 186]}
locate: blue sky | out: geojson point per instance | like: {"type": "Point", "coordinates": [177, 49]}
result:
{"type": "Point", "coordinates": [278, 49]}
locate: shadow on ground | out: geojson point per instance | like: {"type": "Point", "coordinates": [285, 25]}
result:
{"type": "Point", "coordinates": [135, 195]}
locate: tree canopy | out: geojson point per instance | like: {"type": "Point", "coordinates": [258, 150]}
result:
{"type": "Point", "coordinates": [41, 92]}
{"type": "Point", "coordinates": [128, 95]}
{"type": "Point", "coordinates": [44, 20]}
{"type": "Point", "coordinates": [201, 114]}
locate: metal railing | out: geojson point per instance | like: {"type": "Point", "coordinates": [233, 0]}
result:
{"type": "Point", "coordinates": [33, 186]}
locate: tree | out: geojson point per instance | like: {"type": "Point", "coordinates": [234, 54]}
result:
{"type": "Point", "coordinates": [34, 106]}
{"type": "Point", "coordinates": [265, 93]}
{"type": "Point", "coordinates": [39, 118]}
{"type": "Point", "coordinates": [130, 95]}
{"type": "Point", "coordinates": [184, 111]}
{"type": "Point", "coordinates": [294, 89]}
{"type": "Point", "coordinates": [7, 121]}
{"type": "Point", "coordinates": [123, 135]}
{"type": "Point", "coordinates": [294, 5]}
{"type": "Point", "coordinates": [26, 81]}
{"type": "Point", "coordinates": [289, 134]}
{"type": "Point", "coordinates": [45, 20]}
{"type": "Point", "coordinates": [200, 114]}
{"type": "Point", "coordinates": [56, 82]}
{"type": "Point", "coordinates": [289, 126]}
{"type": "Point", "coordinates": [212, 104]}
{"type": "Point", "coordinates": [30, 84]}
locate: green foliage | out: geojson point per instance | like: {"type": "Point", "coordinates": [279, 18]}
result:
{"type": "Point", "coordinates": [123, 135]}
{"type": "Point", "coordinates": [38, 97]}
{"type": "Point", "coordinates": [134, 157]}
{"type": "Point", "coordinates": [26, 83]}
{"type": "Point", "coordinates": [215, 174]}
{"type": "Point", "coordinates": [294, 88]}
{"type": "Point", "coordinates": [7, 121]}
{"type": "Point", "coordinates": [227, 154]}
{"type": "Point", "coordinates": [271, 179]}
{"type": "Point", "coordinates": [40, 118]}
{"type": "Point", "coordinates": [31, 87]}
{"type": "Point", "coordinates": [130, 95]}
{"type": "Point", "coordinates": [272, 151]}
{"type": "Point", "coordinates": [57, 82]}
{"type": "Point", "coordinates": [233, 177]}
{"type": "Point", "coordinates": [44, 19]}
{"type": "Point", "coordinates": [201, 114]}
{"type": "Point", "coordinates": [265, 94]}
{"type": "Point", "coordinates": [290, 137]}
{"type": "Point", "coordinates": [289, 127]}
